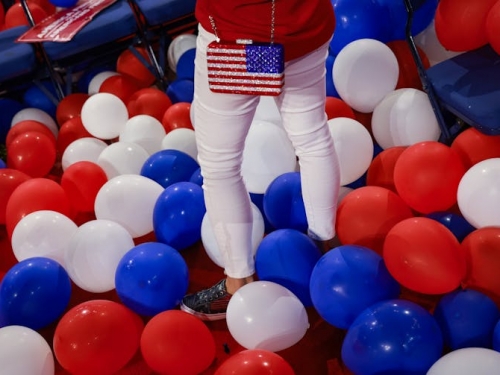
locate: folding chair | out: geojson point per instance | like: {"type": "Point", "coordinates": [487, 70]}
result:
{"type": "Point", "coordinates": [17, 61]}
{"type": "Point", "coordinates": [99, 42]}
{"type": "Point", "coordinates": [159, 21]}
{"type": "Point", "coordinates": [20, 66]}
{"type": "Point", "coordinates": [463, 90]}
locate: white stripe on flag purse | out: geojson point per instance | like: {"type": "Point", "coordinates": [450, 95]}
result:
{"type": "Point", "coordinates": [245, 67]}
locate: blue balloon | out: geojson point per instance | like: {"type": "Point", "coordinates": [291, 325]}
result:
{"type": "Point", "coordinates": [376, 149]}
{"type": "Point", "coordinates": [42, 97]}
{"type": "Point", "coordinates": [8, 109]}
{"type": "Point", "coordinates": [392, 337]}
{"type": "Point", "coordinates": [422, 17]}
{"type": "Point", "coordinates": [287, 257]}
{"type": "Point", "coordinates": [347, 280]}
{"type": "Point", "coordinates": [168, 167]}
{"type": "Point", "coordinates": [185, 65]}
{"type": "Point", "coordinates": [152, 277]}
{"type": "Point", "coordinates": [357, 20]}
{"type": "Point", "coordinates": [178, 214]}
{"type": "Point", "coordinates": [283, 203]}
{"type": "Point", "coordinates": [34, 293]}
{"type": "Point", "coordinates": [467, 319]}
{"type": "Point", "coordinates": [181, 91]}
{"type": "Point", "coordinates": [196, 177]}
{"type": "Point", "coordinates": [2, 164]}
{"type": "Point", "coordinates": [455, 223]}
{"type": "Point", "coordinates": [496, 337]}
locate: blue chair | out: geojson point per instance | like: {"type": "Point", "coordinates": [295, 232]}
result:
{"type": "Point", "coordinates": [17, 60]}
{"type": "Point", "coordinates": [99, 42]}
{"type": "Point", "coordinates": [20, 66]}
{"type": "Point", "coordinates": [463, 90]}
{"type": "Point", "coordinates": [160, 22]}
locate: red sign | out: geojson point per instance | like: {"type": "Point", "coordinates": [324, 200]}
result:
{"type": "Point", "coordinates": [63, 25]}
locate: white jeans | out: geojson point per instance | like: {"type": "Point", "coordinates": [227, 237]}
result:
{"type": "Point", "coordinates": [221, 123]}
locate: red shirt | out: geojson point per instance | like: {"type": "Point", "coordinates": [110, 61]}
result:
{"type": "Point", "coordinates": [300, 25]}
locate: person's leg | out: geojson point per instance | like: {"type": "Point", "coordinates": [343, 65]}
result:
{"type": "Point", "coordinates": [221, 123]}
{"type": "Point", "coordinates": [302, 107]}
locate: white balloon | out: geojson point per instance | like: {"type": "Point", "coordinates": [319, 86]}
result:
{"type": "Point", "coordinates": [265, 315]}
{"type": "Point", "coordinates": [104, 115]}
{"type": "Point", "coordinates": [94, 252]}
{"type": "Point", "coordinates": [36, 114]}
{"type": "Point", "coordinates": [24, 351]}
{"type": "Point", "coordinates": [354, 147]}
{"type": "Point", "coordinates": [467, 361]}
{"type": "Point", "coordinates": [42, 233]}
{"type": "Point", "coordinates": [428, 41]}
{"type": "Point", "coordinates": [268, 153]}
{"type": "Point", "coordinates": [364, 72]}
{"type": "Point", "coordinates": [210, 243]}
{"type": "Point", "coordinates": [177, 47]}
{"type": "Point", "coordinates": [267, 110]}
{"type": "Point", "coordinates": [96, 81]}
{"type": "Point", "coordinates": [122, 158]}
{"type": "Point", "coordinates": [403, 118]}
{"type": "Point", "coordinates": [129, 200]}
{"type": "Point", "coordinates": [144, 130]}
{"type": "Point", "coordinates": [82, 149]}
{"type": "Point", "coordinates": [478, 194]}
{"type": "Point", "coordinates": [181, 139]}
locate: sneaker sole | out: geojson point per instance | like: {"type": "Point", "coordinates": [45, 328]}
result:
{"type": "Point", "coordinates": [202, 316]}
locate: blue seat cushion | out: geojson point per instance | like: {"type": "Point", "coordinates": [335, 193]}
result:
{"type": "Point", "coordinates": [469, 86]}
{"type": "Point", "coordinates": [16, 59]}
{"type": "Point", "coordinates": [158, 12]}
{"type": "Point", "coordinates": [113, 23]}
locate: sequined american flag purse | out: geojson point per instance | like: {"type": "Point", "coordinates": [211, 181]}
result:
{"type": "Point", "coordinates": [245, 67]}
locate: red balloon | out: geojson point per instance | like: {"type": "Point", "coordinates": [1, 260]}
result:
{"type": "Point", "coordinates": [381, 170]}
{"type": "Point", "coordinates": [461, 24]}
{"type": "Point", "coordinates": [473, 146]}
{"type": "Point", "coordinates": [367, 214]}
{"type": "Point", "coordinates": [70, 107]}
{"type": "Point", "coordinates": [69, 132]}
{"type": "Point", "coordinates": [493, 27]}
{"type": "Point", "coordinates": [121, 86]}
{"type": "Point", "coordinates": [2, 15]}
{"type": "Point", "coordinates": [427, 175]}
{"type": "Point", "coordinates": [255, 362]}
{"type": "Point", "coordinates": [10, 179]}
{"type": "Point", "coordinates": [424, 256]}
{"type": "Point", "coordinates": [97, 337]}
{"type": "Point", "coordinates": [408, 72]}
{"type": "Point", "coordinates": [175, 342]}
{"type": "Point", "coordinates": [15, 15]}
{"type": "Point", "coordinates": [44, 4]}
{"type": "Point", "coordinates": [33, 153]}
{"type": "Point", "coordinates": [34, 195]}
{"type": "Point", "coordinates": [129, 65]}
{"type": "Point", "coordinates": [177, 116]}
{"type": "Point", "coordinates": [82, 181]}
{"type": "Point", "coordinates": [483, 261]}
{"type": "Point", "coordinates": [148, 101]}
{"type": "Point", "coordinates": [26, 126]}
{"type": "Point", "coordinates": [335, 107]}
